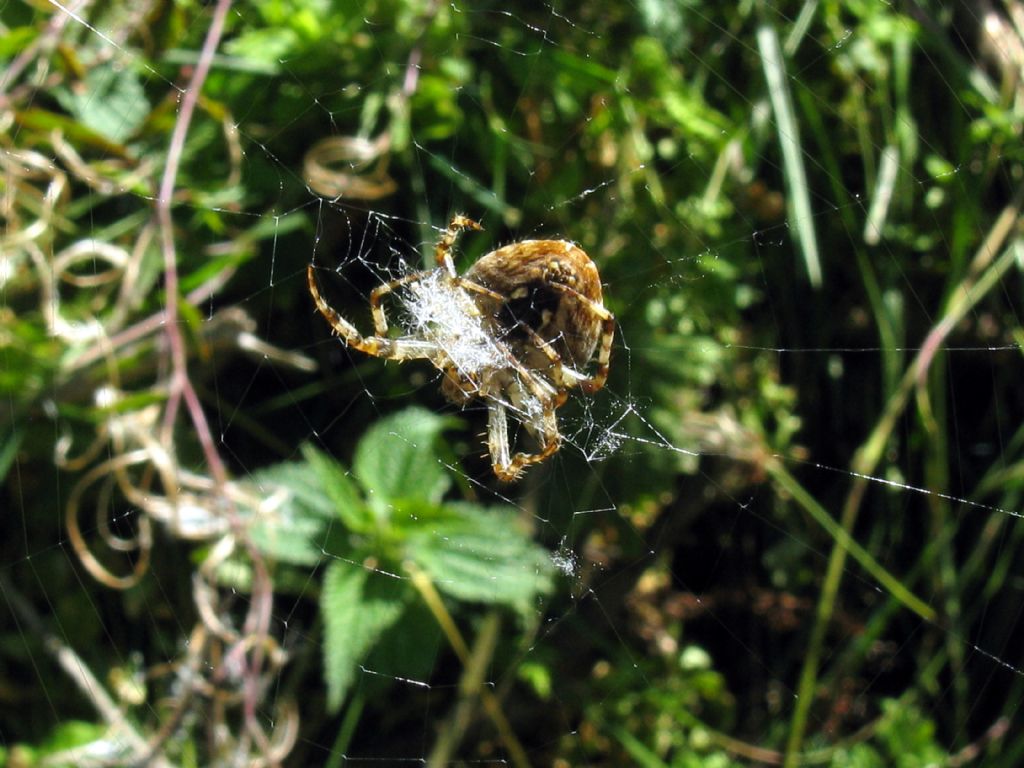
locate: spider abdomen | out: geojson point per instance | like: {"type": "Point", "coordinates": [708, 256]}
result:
{"type": "Point", "coordinates": [545, 285]}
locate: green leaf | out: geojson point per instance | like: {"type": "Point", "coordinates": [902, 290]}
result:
{"type": "Point", "coordinates": [16, 40]}
{"type": "Point", "coordinates": [340, 494]}
{"type": "Point", "coordinates": [113, 102]}
{"type": "Point", "coordinates": [43, 120]}
{"type": "Point", "coordinates": [480, 554]}
{"type": "Point", "coordinates": [411, 649]}
{"type": "Point", "coordinates": [261, 50]}
{"type": "Point", "coordinates": [641, 754]}
{"type": "Point", "coordinates": [319, 492]}
{"type": "Point", "coordinates": [908, 734]}
{"type": "Point", "coordinates": [358, 606]}
{"type": "Point", "coordinates": [73, 734]}
{"type": "Point", "coordinates": [210, 268]}
{"type": "Point", "coordinates": [8, 450]}
{"type": "Point", "coordinates": [396, 458]}
{"type": "Point", "coordinates": [291, 540]}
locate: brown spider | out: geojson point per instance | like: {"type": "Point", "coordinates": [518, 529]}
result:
{"type": "Point", "coordinates": [517, 330]}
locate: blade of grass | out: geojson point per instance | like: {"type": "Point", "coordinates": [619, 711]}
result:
{"type": "Point", "coordinates": [792, 153]}
{"type": "Point", "coordinates": [491, 704]}
{"type": "Point", "coordinates": [843, 539]}
{"type": "Point", "coordinates": [882, 197]}
{"type": "Point", "coordinates": [885, 305]}
{"type": "Point", "coordinates": [800, 26]}
{"type": "Point", "coordinates": [474, 679]}
{"type": "Point", "coordinates": [8, 450]}
{"type": "Point", "coordinates": [983, 276]}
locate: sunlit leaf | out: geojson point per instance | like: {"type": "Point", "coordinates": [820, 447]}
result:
{"type": "Point", "coordinates": [479, 554]}
{"type": "Point", "coordinates": [357, 607]}
{"type": "Point", "coordinates": [335, 490]}
{"type": "Point", "coordinates": [396, 458]}
{"type": "Point", "coordinates": [112, 102]}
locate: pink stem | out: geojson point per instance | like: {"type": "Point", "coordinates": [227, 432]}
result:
{"type": "Point", "coordinates": [258, 619]}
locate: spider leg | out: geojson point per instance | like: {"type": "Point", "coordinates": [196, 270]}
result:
{"type": "Point", "coordinates": [378, 346]}
{"type": "Point", "coordinates": [443, 249]}
{"type": "Point", "coordinates": [564, 377]}
{"type": "Point", "coordinates": [469, 285]}
{"type": "Point", "coordinates": [380, 320]}
{"type": "Point", "coordinates": [509, 467]}
{"type": "Point", "coordinates": [544, 427]}
{"type": "Point", "coordinates": [443, 254]}
{"type": "Point", "coordinates": [497, 441]}
{"type": "Point", "coordinates": [591, 384]}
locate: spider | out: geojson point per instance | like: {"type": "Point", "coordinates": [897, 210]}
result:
{"type": "Point", "coordinates": [517, 330]}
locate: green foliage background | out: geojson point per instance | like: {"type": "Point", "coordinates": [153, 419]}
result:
{"type": "Point", "coordinates": [786, 532]}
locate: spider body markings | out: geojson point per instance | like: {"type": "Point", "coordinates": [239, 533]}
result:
{"type": "Point", "coordinates": [517, 330]}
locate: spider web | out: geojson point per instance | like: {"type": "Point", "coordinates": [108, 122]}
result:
{"type": "Point", "coordinates": [790, 429]}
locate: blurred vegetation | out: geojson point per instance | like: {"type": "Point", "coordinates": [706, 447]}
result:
{"type": "Point", "coordinates": [785, 533]}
